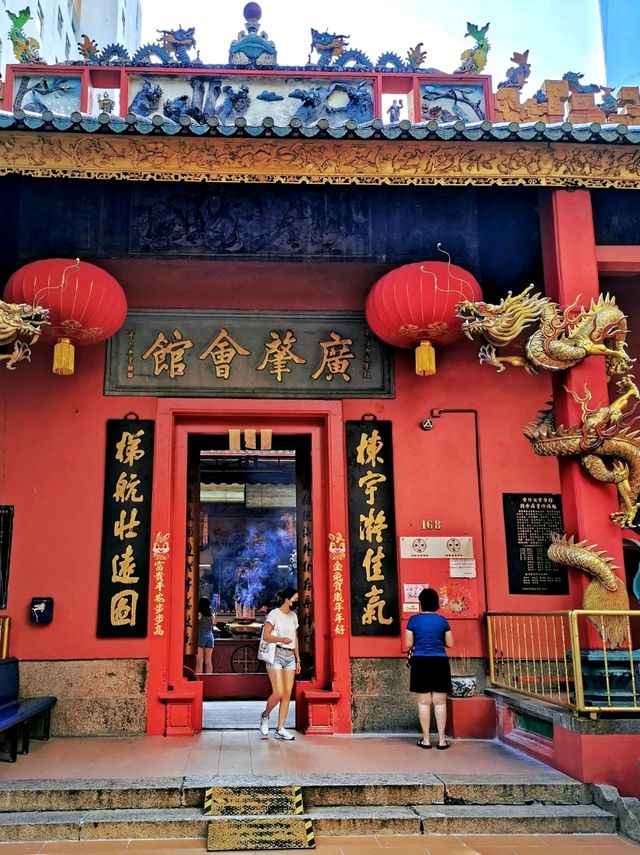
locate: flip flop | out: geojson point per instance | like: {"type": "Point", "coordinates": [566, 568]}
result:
{"type": "Point", "coordinates": [443, 747]}
{"type": "Point", "coordinates": [420, 744]}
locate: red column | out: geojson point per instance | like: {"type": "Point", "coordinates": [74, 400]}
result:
{"type": "Point", "coordinates": [570, 271]}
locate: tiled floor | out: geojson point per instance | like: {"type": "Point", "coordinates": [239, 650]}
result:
{"type": "Point", "coordinates": [239, 715]}
{"type": "Point", "coordinates": [515, 844]}
{"type": "Point", "coordinates": [238, 752]}
{"type": "Point", "coordinates": [215, 754]}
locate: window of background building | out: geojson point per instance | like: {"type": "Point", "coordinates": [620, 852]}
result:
{"type": "Point", "coordinates": [39, 19]}
{"type": "Point", "coordinates": [67, 47]}
{"type": "Point", "coordinates": [124, 21]}
{"type": "Point", "coordinates": [60, 22]}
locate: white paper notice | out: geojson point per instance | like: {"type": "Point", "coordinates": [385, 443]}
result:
{"type": "Point", "coordinates": [462, 568]}
{"type": "Point", "coordinates": [436, 547]}
{"type": "Point", "coordinates": [410, 607]}
{"type": "Point", "coordinates": [412, 591]}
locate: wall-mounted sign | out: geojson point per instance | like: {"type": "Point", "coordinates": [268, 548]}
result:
{"type": "Point", "coordinates": [462, 568]}
{"type": "Point", "coordinates": [454, 546]}
{"type": "Point", "coordinates": [242, 354]}
{"type": "Point", "coordinates": [372, 540]}
{"type": "Point", "coordinates": [529, 519]}
{"type": "Point", "coordinates": [126, 523]}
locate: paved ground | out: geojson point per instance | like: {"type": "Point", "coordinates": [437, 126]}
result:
{"type": "Point", "coordinates": [245, 754]}
{"type": "Point", "coordinates": [515, 844]}
{"type": "Point", "coordinates": [239, 715]}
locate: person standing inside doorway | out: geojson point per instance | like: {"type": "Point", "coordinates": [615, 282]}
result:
{"type": "Point", "coordinates": [204, 656]}
{"type": "Point", "coordinates": [427, 636]}
{"type": "Point", "coordinates": [281, 629]}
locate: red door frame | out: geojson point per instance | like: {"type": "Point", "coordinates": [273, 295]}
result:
{"type": "Point", "coordinates": [174, 704]}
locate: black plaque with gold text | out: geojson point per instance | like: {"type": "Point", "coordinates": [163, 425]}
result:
{"type": "Point", "coordinates": [247, 354]}
{"type": "Point", "coordinates": [372, 536]}
{"type": "Point", "coordinates": [529, 520]}
{"type": "Point", "coordinates": [126, 527]}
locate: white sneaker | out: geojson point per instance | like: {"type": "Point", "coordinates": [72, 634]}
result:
{"type": "Point", "coordinates": [283, 733]}
{"type": "Point", "coordinates": [264, 725]}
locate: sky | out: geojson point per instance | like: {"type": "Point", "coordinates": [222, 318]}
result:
{"type": "Point", "coordinates": [561, 35]}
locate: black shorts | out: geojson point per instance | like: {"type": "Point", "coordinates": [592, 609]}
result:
{"type": "Point", "coordinates": [430, 674]}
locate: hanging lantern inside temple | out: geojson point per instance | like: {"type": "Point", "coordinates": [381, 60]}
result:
{"type": "Point", "coordinates": [415, 306]}
{"type": "Point", "coordinates": [86, 304]}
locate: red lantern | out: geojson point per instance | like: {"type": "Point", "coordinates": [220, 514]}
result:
{"type": "Point", "coordinates": [415, 305]}
{"type": "Point", "coordinates": [86, 304]}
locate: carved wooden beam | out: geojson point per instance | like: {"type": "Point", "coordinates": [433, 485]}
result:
{"type": "Point", "coordinates": [269, 161]}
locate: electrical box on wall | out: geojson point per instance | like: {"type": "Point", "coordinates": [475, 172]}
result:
{"type": "Point", "coordinates": [41, 610]}
{"type": "Point", "coordinates": [445, 563]}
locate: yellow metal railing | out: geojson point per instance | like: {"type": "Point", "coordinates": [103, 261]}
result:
{"type": "Point", "coordinates": [5, 623]}
{"type": "Point", "coordinates": [552, 656]}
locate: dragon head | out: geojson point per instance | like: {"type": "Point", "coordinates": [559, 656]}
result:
{"type": "Point", "coordinates": [20, 320]}
{"type": "Point", "coordinates": [474, 317]}
{"type": "Point", "coordinates": [502, 323]}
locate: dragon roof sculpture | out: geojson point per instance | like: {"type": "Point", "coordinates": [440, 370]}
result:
{"type": "Point", "coordinates": [563, 337]}
{"type": "Point", "coordinates": [20, 327]}
{"type": "Point", "coordinates": [606, 442]}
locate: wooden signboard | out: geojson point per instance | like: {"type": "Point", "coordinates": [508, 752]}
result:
{"type": "Point", "coordinates": [126, 524]}
{"type": "Point", "coordinates": [372, 536]}
{"type": "Point", "coordinates": [242, 354]}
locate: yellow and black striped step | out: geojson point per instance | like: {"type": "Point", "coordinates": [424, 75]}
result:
{"type": "Point", "coordinates": [252, 818]}
{"type": "Point", "coordinates": [252, 801]}
{"type": "Point", "coordinates": [259, 832]}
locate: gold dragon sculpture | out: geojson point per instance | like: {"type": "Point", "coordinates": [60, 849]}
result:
{"type": "Point", "coordinates": [20, 327]}
{"type": "Point", "coordinates": [606, 442]}
{"type": "Point", "coordinates": [563, 338]}
{"type": "Point", "coordinates": [605, 592]}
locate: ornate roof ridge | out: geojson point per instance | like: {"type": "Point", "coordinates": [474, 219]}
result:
{"type": "Point", "coordinates": [485, 131]}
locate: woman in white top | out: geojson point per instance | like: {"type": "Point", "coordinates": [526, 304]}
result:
{"type": "Point", "coordinates": [281, 629]}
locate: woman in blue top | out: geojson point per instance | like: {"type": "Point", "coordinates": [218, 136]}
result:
{"type": "Point", "coordinates": [427, 635]}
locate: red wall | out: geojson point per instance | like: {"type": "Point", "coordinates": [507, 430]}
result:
{"type": "Point", "coordinates": [54, 435]}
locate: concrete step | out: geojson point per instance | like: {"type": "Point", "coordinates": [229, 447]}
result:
{"type": "Point", "coordinates": [327, 821]}
{"type": "Point", "coordinates": [515, 819]}
{"type": "Point", "coordinates": [169, 823]}
{"type": "Point", "coordinates": [129, 794]}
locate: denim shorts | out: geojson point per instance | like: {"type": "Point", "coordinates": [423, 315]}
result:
{"type": "Point", "coordinates": [285, 659]}
{"type": "Point", "coordinates": [205, 638]}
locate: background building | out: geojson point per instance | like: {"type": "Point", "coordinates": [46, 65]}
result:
{"type": "Point", "coordinates": [620, 32]}
{"type": "Point", "coordinates": [59, 24]}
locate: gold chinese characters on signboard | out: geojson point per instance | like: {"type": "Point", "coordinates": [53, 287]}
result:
{"type": "Point", "coordinates": [124, 576]}
{"type": "Point", "coordinates": [374, 595]}
{"type": "Point", "coordinates": [230, 354]}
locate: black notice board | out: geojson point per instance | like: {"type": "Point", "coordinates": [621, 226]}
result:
{"type": "Point", "coordinates": [6, 532]}
{"type": "Point", "coordinates": [372, 535]}
{"type": "Point", "coordinates": [529, 520]}
{"type": "Point", "coordinates": [126, 524]}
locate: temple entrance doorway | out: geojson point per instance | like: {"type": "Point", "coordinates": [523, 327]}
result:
{"type": "Point", "coordinates": [249, 526]}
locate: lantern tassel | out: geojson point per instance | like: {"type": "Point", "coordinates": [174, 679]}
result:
{"type": "Point", "coordinates": [425, 359]}
{"type": "Point", "coordinates": [63, 357]}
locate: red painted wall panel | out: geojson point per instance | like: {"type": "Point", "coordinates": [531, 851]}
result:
{"type": "Point", "coordinates": [52, 459]}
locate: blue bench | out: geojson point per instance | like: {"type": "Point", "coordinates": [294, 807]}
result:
{"type": "Point", "coordinates": [16, 714]}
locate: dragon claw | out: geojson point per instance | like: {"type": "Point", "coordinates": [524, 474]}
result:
{"type": "Point", "coordinates": [625, 519]}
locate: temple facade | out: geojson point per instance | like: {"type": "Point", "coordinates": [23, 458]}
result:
{"type": "Point", "coordinates": [282, 239]}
